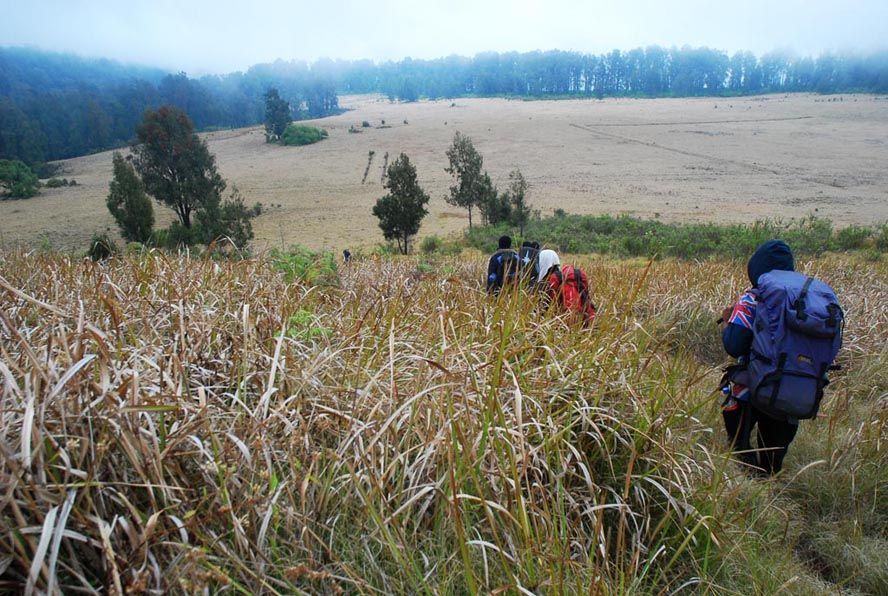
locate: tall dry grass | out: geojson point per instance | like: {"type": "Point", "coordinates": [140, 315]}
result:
{"type": "Point", "coordinates": [175, 424]}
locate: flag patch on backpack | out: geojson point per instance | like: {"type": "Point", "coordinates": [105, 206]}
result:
{"type": "Point", "coordinates": [797, 333]}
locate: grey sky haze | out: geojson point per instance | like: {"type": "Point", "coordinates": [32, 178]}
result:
{"type": "Point", "coordinates": [218, 36]}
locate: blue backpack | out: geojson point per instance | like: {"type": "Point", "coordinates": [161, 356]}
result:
{"type": "Point", "coordinates": [529, 264]}
{"type": "Point", "coordinates": [797, 332]}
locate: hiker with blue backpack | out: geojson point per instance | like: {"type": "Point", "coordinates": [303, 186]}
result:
{"type": "Point", "coordinates": [503, 266]}
{"type": "Point", "coordinates": [785, 332]}
{"type": "Point", "coordinates": [529, 263]}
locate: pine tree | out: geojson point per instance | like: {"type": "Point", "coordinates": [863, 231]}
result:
{"type": "Point", "coordinates": [400, 212]}
{"type": "Point", "coordinates": [128, 202]}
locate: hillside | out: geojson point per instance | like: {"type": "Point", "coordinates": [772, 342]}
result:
{"type": "Point", "coordinates": [736, 160]}
{"type": "Point", "coordinates": [178, 424]}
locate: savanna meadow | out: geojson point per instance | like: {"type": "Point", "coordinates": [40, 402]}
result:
{"type": "Point", "coordinates": [258, 340]}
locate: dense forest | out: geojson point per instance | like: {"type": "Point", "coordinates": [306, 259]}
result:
{"type": "Point", "coordinates": [54, 106]}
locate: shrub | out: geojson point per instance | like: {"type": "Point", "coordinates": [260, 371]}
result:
{"type": "Point", "coordinates": [56, 183]}
{"type": "Point", "coordinates": [177, 236]}
{"type": "Point", "coordinates": [631, 237]}
{"type": "Point", "coordinates": [305, 265]}
{"type": "Point", "coordinates": [230, 219]}
{"type": "Point", "coordinates": [300, 134]}
{"type": "Point", "coordinates": [17, 181]}
{"type": "Point", "coordinates": [430, 244]}
{"type": "Point", "coordinates": [134, 248]}
{"type": "Point", "coordinates": [365, 124]}
{"type": "Point", "coordinates": [128, 203]}
{"type": "Point", "coordinates": [882, 237]}
{"type": "Point", "coordinates": [852, 237]}
{"type": "Point", "coordinates": [101, 247]}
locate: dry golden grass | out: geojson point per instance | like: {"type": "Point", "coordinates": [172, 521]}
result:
{"type": "Point", "coordinates": [174, 424]}
{"type": "Point", "coordinates": [736, 160]}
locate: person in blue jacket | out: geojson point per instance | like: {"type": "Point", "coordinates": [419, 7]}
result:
{"type": "Point", "coordinates": [774, 436]}
{"type": "Point", "coordinates": [503, 265]}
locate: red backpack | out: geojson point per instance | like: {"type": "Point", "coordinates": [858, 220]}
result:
{"type": "Point", "coordinates": [573, 291]}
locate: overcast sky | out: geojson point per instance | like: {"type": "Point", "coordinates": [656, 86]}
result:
{"type": "Point", "coordinates": [217, 36]}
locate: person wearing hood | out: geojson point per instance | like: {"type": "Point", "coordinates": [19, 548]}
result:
{"type": "Point", "coordinates": [774, 436]}
{"type": "Point", "coordinates": [567, 286]}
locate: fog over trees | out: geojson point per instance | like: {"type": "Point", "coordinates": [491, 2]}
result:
{"type": "Point", "coordinates": [55, 106]}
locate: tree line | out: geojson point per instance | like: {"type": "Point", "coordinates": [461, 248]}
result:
{"type": "Point", "coordinates": [54, 106]}
{"type": "Point", "coordinates": [643, 72]}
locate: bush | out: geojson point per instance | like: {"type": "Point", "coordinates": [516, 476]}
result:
{"type": "Point", "coordinates": [430, 244]}
{"type": "Point", "coordinates": [134, 248]}
{"type": "Point", "coordinates": [56, 182]}
{"type": "Point", "coordinates": [852, 237]}
{"type": "Point", "coordinates": [17, 181]}
{"type": "Point", "coordinates": [365, 124]}
{"type": "Point", "coordinates": [300, 134]}
{"type": "Point", "coordinates": [101, 247]}
{"type": "Point", "coordinates": [631, 237]}
{"type": "Point", "coordinates": [128, 203]}
{"type": "Point", "coordinates": [882, 238]}
{"type": "Point", "coordinates": [310, 267]}
{"type": "Point", "coordinates": [230, 219]}
{"type": "Point", "coordinates": [177, 236]}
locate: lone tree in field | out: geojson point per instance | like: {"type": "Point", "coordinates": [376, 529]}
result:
{"type": "Point", "coordinates": [277, 115]}
{"type": "Point", "coordinates": [176, 167]}
{"type": "Point", "coordinates": [400, 212]}
{"type": "Point", "coordinates": [128, 202]}
{"type": "Point", "coordinates": [517, 199]}
{"type": "Point", "coordinates": [465, 167]}
{"type": "Point", "coordinates": [17, 180]}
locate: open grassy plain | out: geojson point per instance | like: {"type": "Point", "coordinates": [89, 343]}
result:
{"type": "Point", "coordinates": [736, 159]}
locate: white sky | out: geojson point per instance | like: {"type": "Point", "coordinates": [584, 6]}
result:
{"type": "Point", "coordinates": [217, 36]}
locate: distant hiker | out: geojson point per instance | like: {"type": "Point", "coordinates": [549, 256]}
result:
{"type": "Point", "coordinates": [785, 332]}
{"type": "Point", "coordinates": [528, 262]}
{"type": "Point", "coordinates": [346, 256]}
{"type": "Point", "coordinates": [503, 266]}
{"type": "Point", "coordinates": [567, 286]}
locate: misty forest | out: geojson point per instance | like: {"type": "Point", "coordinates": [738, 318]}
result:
{"type": "Point", "coordinates": [56, 106]}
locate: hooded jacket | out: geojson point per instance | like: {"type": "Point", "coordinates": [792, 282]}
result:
{"type": "Point", "coordinates": [547, 260]}
{"type": "Point", "coordinates": [770, 256]}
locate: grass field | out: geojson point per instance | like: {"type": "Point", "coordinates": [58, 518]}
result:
{"type": "Point", "coordinates": [709, 159]}
{"type": "Point", "coordinates": [179, 424]}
